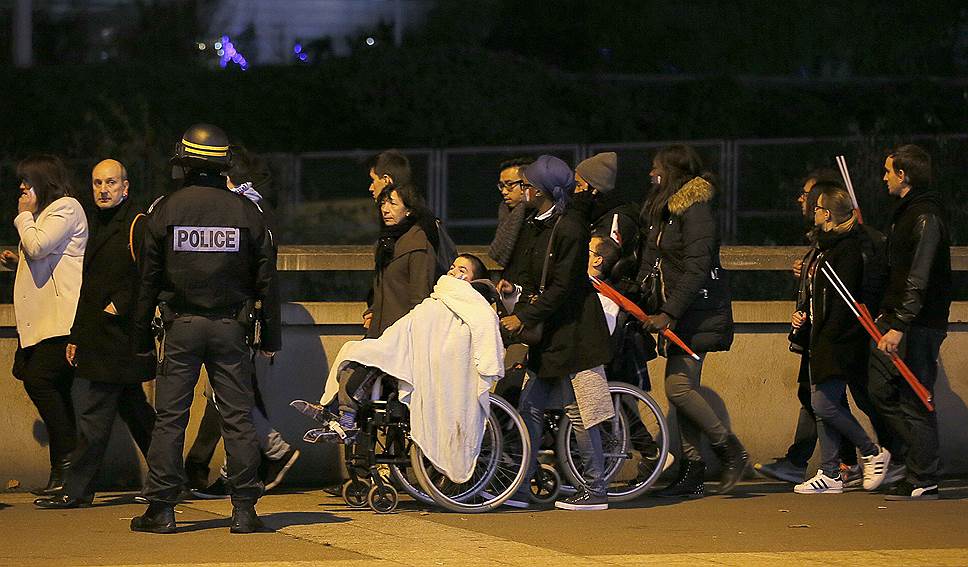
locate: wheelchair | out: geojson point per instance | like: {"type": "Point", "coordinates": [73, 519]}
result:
{"type": "Point", "coordinates": [383, 459]}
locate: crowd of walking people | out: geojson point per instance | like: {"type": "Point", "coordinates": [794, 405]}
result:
{"type": "Point", "coordinates": [90, 278]}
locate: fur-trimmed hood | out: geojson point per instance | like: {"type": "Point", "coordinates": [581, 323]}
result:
{"type": "Point", "coordinates": [696, 190]}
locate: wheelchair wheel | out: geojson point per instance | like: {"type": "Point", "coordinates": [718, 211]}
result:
{"type": "Point", "coordinates": [405, 479]}
{"type": "Point", "coordinates": [355, 493]}
{"type": "Point", "coordinates": [400, 475]}
{"type": "Point", "coordinates": [545, 485]}
{"type": "Point", "coordinates": [382, 499]}
{"type": "Point", "coordinates": [501, 465]}
{"type": "Point", "coordinates": [635, 443]}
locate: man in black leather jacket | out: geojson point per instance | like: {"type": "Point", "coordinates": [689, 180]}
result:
{"type": "Point", "coordinates": [913, 316]}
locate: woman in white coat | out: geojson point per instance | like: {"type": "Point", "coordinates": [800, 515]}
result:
{"type": "Point", "coordinates": [53, 235]}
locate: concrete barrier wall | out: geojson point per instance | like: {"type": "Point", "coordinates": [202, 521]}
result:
{"type": "Point", "coordinates": [753, 386]}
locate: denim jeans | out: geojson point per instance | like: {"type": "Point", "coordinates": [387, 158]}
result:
{"type": "Point", "coordinates": [534, 400]}
{"type": "Point", "coordinates": [835, 423]}
{"type": "Point", "coordinates": [900, 406]}
{"type": "Point", "coordinates": [805, 437]}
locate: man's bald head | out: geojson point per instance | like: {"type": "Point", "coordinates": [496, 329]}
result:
{"type": "Point", "coordinates": [110, 183]}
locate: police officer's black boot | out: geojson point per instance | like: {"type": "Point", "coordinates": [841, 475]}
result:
{"type": "Point", "coordinates": [159, 518]}
{"type": "Point", "coordinates": [734, 459]}
{"type": "Point", "coordinates": [245, 520]}
{"type": "Point", "coordinates": [689, 483]}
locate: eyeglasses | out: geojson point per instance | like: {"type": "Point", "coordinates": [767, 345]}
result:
{"type": "Point", "coordinates": [593, 253]}
{"type": "Point", "coordinates": [508, 185]}
{"type": "Point", "coordinates": [819, 208]}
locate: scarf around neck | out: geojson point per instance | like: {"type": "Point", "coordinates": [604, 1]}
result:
{"type": "Point", "coordinates": [509, 225]}
{"type": "Point", "coordinates": [388, 241]}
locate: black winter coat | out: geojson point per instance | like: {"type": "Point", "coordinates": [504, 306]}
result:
{"type": "Point", "coordinates": [207, 250]}
{"type": "Point", "coordinates": [839, 345]}
{"type": "Point", "coordinates": [602, 211]}
{"type": "Point", "coordinates": [695, 289]}
{"type": "Point", "coordinates": [105, 349]}
{"type": "Point", "coordinates": [919, 257]}
{"type": "Point", "coordinates": [575, 336]}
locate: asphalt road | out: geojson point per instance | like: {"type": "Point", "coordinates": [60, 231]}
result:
{"type": "Point", "coordinates": [760, 524]}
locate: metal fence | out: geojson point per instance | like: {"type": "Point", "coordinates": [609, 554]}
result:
{"type": "Point", "coordinates": [758, 180]}
{"type": "Point", "coordinates": [322, 196]}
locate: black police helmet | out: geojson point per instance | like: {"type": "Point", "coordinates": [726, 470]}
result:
{"type": "Point", "coordinates": [203, 146]}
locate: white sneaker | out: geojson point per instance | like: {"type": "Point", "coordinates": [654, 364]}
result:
{"type": "Point", "coordinates": [875, 468]}
{"type": "Point", "coordinates": [820, 484]}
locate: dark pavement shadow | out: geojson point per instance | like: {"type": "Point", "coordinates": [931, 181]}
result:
{"type": "Point", "coordinates": [274, 522]}
{"type": "Point", "coordinates": [337, 505]}
{"type": "Point", "coordinates": [116, 500]}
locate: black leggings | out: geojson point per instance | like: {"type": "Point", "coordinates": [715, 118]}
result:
{"type": "Point", "coordinates": [47, 378]}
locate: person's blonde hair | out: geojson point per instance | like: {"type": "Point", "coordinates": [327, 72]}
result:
{"type": "Point", "coordinates": [837, 200]}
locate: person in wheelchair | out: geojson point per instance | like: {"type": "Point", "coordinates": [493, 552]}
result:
{"type": "Point", "coordinates": [444, 354]}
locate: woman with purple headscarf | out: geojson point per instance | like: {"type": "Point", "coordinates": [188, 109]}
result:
{"type": "Point", "coordinates": [574, 343]}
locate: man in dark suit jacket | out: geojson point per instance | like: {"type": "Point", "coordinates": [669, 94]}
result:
{"type": "Point", "coordinates": [100, 346]}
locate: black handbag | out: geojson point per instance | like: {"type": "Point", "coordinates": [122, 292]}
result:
{"type": "Point", "coordinates": [532, 335]}
{"type": "Point", "coordinates": [800, 338]}
{"type": "Point", "coordinates": [651, 290]}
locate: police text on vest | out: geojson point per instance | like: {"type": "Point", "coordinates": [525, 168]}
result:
{"type": "Point", "coordinates": [205, 239]}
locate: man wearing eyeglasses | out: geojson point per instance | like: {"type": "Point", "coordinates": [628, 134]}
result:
{"type": "Point", "coordinates": [510, 216]}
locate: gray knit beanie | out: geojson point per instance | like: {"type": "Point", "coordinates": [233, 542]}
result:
{"type": "Point", "coordinates": [599, 171]}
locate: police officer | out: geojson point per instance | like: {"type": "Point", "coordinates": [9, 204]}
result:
{"type": "Point", "coordinates": [207, 258]}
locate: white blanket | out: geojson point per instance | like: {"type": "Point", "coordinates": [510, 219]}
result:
{"type": "Point", "coordinates": [445, 354]}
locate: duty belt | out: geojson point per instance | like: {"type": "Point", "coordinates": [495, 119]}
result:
{"type": "Point", "coordinates": [228, 312]}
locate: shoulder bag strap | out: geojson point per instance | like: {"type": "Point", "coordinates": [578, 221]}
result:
{"type": "Point", "coordinates": [544, 269]}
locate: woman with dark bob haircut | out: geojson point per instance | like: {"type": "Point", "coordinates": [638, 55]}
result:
{"type": "Point", "coordinates": [405, 257]}
{"type": "Point", "coordinates": [404, 276]}
{"type": "Point", "coordinates": [53, 235]}
{"type": "Point", "coordinates": [685, 288]}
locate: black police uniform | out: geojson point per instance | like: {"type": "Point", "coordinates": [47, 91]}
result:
{"type": "Point", "coordinates": [207, 255]}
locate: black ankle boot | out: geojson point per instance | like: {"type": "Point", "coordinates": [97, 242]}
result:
{"type": "Point", "coordinates": [55, 484]}
{"type": "Point", "coordinates": [689, 482]}
{"type": "Point", "coordinates": [734, 459]}
{"type": "Point", "coordinates": [159, 518]}
{"type": "Point", "coordinates": [245, 520]}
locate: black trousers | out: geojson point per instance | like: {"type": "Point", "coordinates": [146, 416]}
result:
{"type": "Point", "coordinates": [219, 344]}
{"type": "Point", "coordinates": [97, 405]}
{"type": "Point", "coordinates": [900, 407]}
{"type": "Point", "coordinates": [47, 378]}
{"type": "Point", "coordinates": [210, 432]}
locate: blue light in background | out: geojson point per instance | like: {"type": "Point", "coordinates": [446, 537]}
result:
{"type": "Point", "coordinates": [227, 53]}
